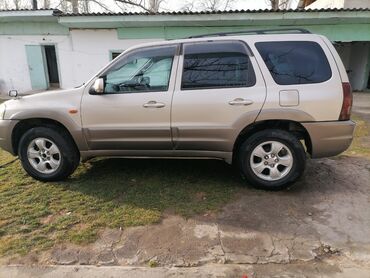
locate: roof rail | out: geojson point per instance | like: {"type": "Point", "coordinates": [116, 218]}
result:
{"type": "Point", "coordinates": [259, 32]}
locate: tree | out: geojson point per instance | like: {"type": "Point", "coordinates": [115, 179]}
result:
{"type": "Point", "coordinates": [208, 5]}
{"type": "Point", "coordinates": [279, 4]}
{"type": "Point", "coordinates": [46, 4]}
{"type": "Point", "coordinates": [151, 6]}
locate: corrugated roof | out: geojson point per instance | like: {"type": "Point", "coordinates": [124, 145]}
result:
{"type": "Point", "coordinates": [217, 12]}
{"type": "Point", "coordinates": [57, 12]}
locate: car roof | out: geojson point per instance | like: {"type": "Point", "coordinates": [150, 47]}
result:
{"type": "Point", "coordinates": [249, 37]}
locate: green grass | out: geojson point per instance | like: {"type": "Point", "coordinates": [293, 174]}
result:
{"type": "Point", "coordinates": [105, 193]}
{"type": "Point", "coordinates": [358, 148]}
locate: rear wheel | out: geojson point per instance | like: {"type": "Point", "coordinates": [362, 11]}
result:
{"type": "Point", "coordinates": [48, 154]}
{"type": "Point", "coordinates": [271, 159]}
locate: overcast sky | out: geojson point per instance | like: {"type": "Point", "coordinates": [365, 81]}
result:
{"type": "Point", "coordinates": [176, 4]}
{"type": "Point", "coordinates": [168, 5]}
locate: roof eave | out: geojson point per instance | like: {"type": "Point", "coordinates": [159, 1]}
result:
{"type": "Point", "coordinates": [217, 19]}
{"type": "Point", "coordinates": [28, 15]}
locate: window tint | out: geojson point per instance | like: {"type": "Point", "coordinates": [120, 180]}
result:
{"type": "Point", "coordinates": [216, 65]}
{"type": "Point", "coordinates": [145, 70]}
{"type": "Point", "coordinates": [295, 62]}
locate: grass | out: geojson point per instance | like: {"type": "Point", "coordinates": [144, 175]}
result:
{"type": "Point", "coordinates": [362, 131]}
{"type": "Point", "coordinates": [113, 193]}
{"type": "Point", "coordinates": [102, 193]}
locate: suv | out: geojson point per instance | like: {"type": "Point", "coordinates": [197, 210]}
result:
{"type": "Point", "coordinates": [260, 100]}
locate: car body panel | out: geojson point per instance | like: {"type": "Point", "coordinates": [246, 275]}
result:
{"type": "Point", "coordinates": [203, 119]}
{"type": "Point", "coordinates": [121, 122]}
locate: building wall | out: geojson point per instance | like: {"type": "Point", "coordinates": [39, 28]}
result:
{"type": "Point", "coordinates": [80, 55]}
{"type": "Point", "coordinates": [82, 52]}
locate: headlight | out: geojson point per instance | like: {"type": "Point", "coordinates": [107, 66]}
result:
{"type": "Point", "coordinates": [2, 111]}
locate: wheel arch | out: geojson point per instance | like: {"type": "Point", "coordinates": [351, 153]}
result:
{"type": "Point", "coordinates": [24, 125]}
{"type": "Point", "coordinates": [288, 125]}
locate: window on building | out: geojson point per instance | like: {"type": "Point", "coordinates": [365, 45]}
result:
{"type": "Point", "coordinates": [114, 54]}
{"type": "Point", "coordinates": [216, 65]}
{"type": "Point", "coordinates": [144, 70]}
{"type": "Point", "coordinates": [295, 62]}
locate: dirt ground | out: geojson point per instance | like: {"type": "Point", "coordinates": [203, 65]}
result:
{"type": "Point", "coordinates": [319, 228]}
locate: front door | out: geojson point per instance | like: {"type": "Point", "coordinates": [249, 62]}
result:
{"type": "Point", "coordinates": [220, 90]}
{"type": "Point", "coordinates": [133, 113]}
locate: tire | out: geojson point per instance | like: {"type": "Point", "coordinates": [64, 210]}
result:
{"type": "Point", "coordinates": [55, 160]}
{"type": "Point", "coordinates": [271, 159]}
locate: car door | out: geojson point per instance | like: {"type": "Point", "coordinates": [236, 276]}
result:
{"type": "Point", "coordinates": [220, 90]}
{"type": "Point", "coordinates": [133, 113]}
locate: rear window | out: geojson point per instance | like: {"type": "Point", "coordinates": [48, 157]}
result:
{"type": "Point", "coordinates": [295, 62]}
{"type": "Point", "coordinates": [216, 65]}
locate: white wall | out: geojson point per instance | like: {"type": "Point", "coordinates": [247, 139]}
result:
{"type": "Point", "coordinates": [90, 52]}
{"type": "Point", "coordinates": [80, 55]}
{"type": "Point", "coordinates": [14, 68]}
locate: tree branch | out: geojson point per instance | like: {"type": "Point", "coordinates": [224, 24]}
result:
{"type": "Point", "coordinates": [132, 3]}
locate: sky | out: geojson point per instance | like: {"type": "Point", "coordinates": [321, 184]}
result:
{"type": "Point", "coordinates": [167, 5]}
{"type": "Point", "coordinates": [238, 4]}
{"type": "Point", "coordinates": [175, 5]}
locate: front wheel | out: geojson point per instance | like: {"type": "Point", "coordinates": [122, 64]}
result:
{"type": "Point", "coordinates": [271, 159]}
{"type": "Point", "coordinates": [48, 154]}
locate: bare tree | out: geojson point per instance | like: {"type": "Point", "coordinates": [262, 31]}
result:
{"type": "Point", "coordinates": [279, 4]}
{"type": "Point", "coordinates": [4, 5]}
{"type": "Point", "coordinates": [34, 4]}
{"type": "Point", "coordinates": [16, 4]}
{"type": "Point", "coordinates": [305, 3]}
{"type": "Point", "coordinates": [46, 4]}
{"type": "Point", "coordinates": [208, 5]}
{"type": "Point", "coordinates": [151, 6]}
{"type": "Point", "coordinates": [74, 4]}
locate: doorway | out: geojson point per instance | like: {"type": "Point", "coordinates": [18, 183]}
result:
{"type": "Point", "coordinates": [43, 66]}
{"type": "Point", "coordinates": [52, 66]}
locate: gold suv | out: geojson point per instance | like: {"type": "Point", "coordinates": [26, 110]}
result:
{"type": "Point", "coordinates": [260, 100]}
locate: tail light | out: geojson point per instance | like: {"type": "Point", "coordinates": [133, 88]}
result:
{"type": "Point", "coordinates": [345, 113]}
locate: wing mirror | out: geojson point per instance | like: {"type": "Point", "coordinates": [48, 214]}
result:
{"type": "Point", "coordinates": [98, 87]}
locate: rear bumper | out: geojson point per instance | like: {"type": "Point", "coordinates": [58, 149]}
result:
{"type": "Point", "coordinates": [6, 129]}
{"type": "Point", "coordinates": [330, 138]}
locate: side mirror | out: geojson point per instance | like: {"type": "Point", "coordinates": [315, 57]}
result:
{"type": "Point", "coordinates": [13, 93]}
{"type": "Point", "coordinates": [98, 87]}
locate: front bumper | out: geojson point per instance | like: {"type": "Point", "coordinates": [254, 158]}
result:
{"type": "Point", "coordinates": [6, 129]}
{"type": "Point", "coordinates": [329, 138]}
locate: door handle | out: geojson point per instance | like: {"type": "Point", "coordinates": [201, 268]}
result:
{"type": "Point", "coordinates": [154, 104]}
{"type": "Point", "coordinates": [241, 101]}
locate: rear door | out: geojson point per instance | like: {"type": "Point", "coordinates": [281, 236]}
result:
{"type": "Point", "coordinates": [302, 76]}
{"type": "Point", "coordinates": [219, 90]}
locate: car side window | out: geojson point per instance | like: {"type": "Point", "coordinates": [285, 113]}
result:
{"type": "Point", "coordinates": [143, 70]}
{"type": "Point", "coordinates": [212, 65]}
{"type": "Point", "coordinates": [295, 62]}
